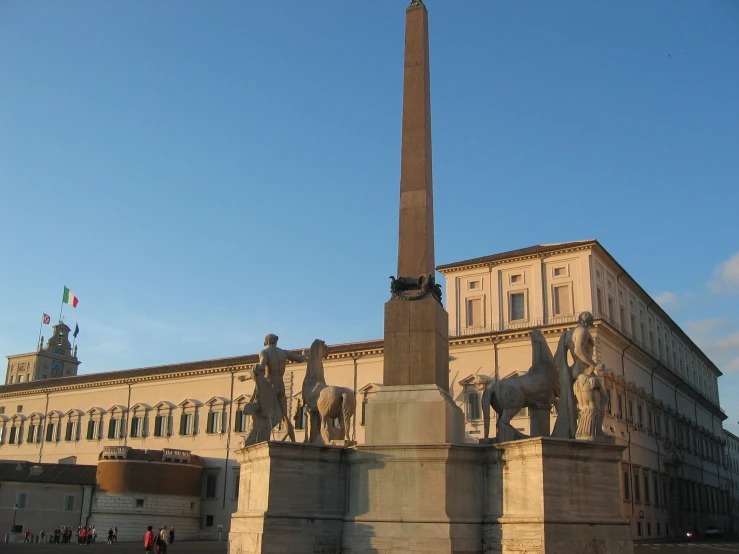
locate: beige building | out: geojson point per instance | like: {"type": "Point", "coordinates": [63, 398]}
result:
{"type": "Point", "coordinates": [39, 497]}
{"type": "Point", "coordinates": [664, 403]}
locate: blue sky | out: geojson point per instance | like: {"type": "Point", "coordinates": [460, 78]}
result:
{"type": "Point", "coordinates": [201, 173]}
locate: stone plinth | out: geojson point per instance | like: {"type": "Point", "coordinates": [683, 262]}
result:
{"type": "Point", "coordinates": [405, 498]}
{"type": "Point", "coordinates": [416, 343]}
{"type": "Point", "coordinates": [413, 415]}
{"type": "Point", "coordinates": [558, 496]}
{"type": "Point", "coordinates": [291, 499]}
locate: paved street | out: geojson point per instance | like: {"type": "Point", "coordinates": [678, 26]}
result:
{"type": "Point", "coordinates": [716, 546]}
{"type": "Point", "coordinates": [197, 547]}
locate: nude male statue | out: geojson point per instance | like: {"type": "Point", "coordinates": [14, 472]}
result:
{"type": "Point", "coordinates": [272, 362]}
{"type": "Point", "coordinates": [579, 343]}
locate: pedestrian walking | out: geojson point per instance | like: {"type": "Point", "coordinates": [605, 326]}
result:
{"type": "Point", "coordinates": [149, 540]}
{"type": "Point", "coordinates": [162, 540]}
{"type": "Point", "coordinates": [115, 534]}
{"type": "Point", "coordinates": [110, 536]}
{"type": "Point", "coordinates": [171, 535]}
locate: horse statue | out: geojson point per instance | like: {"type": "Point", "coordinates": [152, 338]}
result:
{"type": "Point", "coordinates": [538, 388]}
{"type": "Point", "coordinates": [325, 402]}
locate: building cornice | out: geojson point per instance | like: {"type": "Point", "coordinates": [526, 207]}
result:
{"type": "Point", "coordinates": [531, 252]}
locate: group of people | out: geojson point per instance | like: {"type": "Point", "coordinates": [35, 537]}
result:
{"type": "Point", "coordinates": [160, 539]}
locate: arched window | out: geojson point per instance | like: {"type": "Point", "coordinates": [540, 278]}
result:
{"type": "Point", "coordinates": [95, 424]}
{"type": "Point", "coordinates": [15, 432]}
{"type": "Point", "coordinates": [163, 419]}
{"type": "Point", "coordinates": [117, 422]}
{"type": "Point", "coordinates": [3, 428]}
{"type": "Point", "coordinates": [54, 426]}
{"type": "Point", "coordinates": [241, 420]}
{"type": "Point", "coordinates": [189, 417]}
{"type": "Point", "coordinates": [140, 420]}
{"type": "Point", "coordinates": [74, 423]}
{"type": "Point", "coordinates": [35, 428]}
{"type": "Point", "coordinates": [217, 415]}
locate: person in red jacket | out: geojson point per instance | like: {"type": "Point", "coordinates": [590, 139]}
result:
{"type": "Point", "coordinates": [149, 539]}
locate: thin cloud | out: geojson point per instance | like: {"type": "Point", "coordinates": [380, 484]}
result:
{"type": "Point", "coordinates": [719, 339]}
{"type": "Point", "coordinates": [726, 276]}
{"type": "Point", "coordinates": [666, 298]}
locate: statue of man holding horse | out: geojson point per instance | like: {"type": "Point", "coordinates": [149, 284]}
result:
{"type": "Point", "coordinates": [272, 363]}
{"type": "Point", "coordinates": [579, 343]}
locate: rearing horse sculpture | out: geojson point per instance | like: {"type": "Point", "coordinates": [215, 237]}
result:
{"type": "Point", "coordinates": [537, 388]}
{"type": "Point", "coordinates": [325, 402]}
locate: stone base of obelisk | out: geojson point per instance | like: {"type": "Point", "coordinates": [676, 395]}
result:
{"type": "Point", "coordinates": [539, 496]}
{"type": "Point", "coordinates": [414, 498]}
{"type": "Point", "coordinates": [415, 415]}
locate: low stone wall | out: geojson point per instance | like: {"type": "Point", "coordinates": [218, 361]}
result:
{"type": "Point", "coordinates": [121, 510]}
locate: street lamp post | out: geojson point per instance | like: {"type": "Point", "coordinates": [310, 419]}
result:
{"type": "Point", "coordinates": [15, 513]}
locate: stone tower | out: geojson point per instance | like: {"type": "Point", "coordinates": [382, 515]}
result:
{"type": "Point", "coordinates": [56, 359]}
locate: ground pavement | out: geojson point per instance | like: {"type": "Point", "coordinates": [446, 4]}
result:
{"type": "Point", "coordinates": [712, 546]}
{"type": "Point", "coordinates": [184, 547]}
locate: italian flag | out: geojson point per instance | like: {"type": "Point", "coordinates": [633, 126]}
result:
{"type": "Point", "coordinates": [70, 298]}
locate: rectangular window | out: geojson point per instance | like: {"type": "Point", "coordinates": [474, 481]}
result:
{"type": "Point", "coordinates": [655, 481]}
{"type": "Point", "coordinates": [115, 429]}
{"type": "Point", "coordinates": [649, 528]}
{"type": "Point", "coordinates": [22, 500]}
{"type": "Point", "coordinates": [474, 285]}
{"type": "Point", "coordinates": [215, 422]}
{"type": "Point", "coordinates": [15, 435]}
{"type": "Point", "coordinates": [236, 481]}
{"type": "Point", "coordinates": [19, 408]}
{"type": "Point", "coordinates": [562, 303]}
{"type": "Point", "coordinates": [560, 271]}
{"type": "Point", "coordinates": [516, 279]}
{"type": "Point", "coordinates": [2, 409]}
{"type": "Point", "coordinates": [473, 406]}
{"type": "Point", "coordinates": [633, 325]}
{"type": "Point", "coordinates": [599, 302]}
{"type": "Point", "coordinates": [474, 312]}
{"type": "Point", "coordinates": [135, 426]}
{"type": "Point", "coordinates": [69, 502]}
{"type": "Point", "coordinates": [95, 429]}
{"type": "Point", "coordinates": [640, 415]}
{"type": "Point", "coordinates": [649, 420]}
{"type": "Point", "coordinates": [627, 485]}
{"type": "Point", "coordinates": [364, 410]}
{"type": "Point", "coordinates": [637, 488]}
{"type": "Point", "coordinates": [51, 432]}
{"type": "Point", "coordinates": [240, 423]}
{"type": "Point", "coordinates": [608, 398]}
{"type": "Point", "coordinates": [620, 413]}
{"type": "Point", "coordinates": [518, 306]}
{"type": "Point", "coordinates": [610, 308]}
{"type": "Point", "coordinates": [622, 318]}
{"type": "Point", "coordinates": [209, 521]}
{"type": "Point", "coordinates": [187, 424]}
{"type": "Point", "coordinates": [630, 413]}
{"type": "Point", "coordinates": [646, 487]}
{"type": "Point", "coordinates": [210, 485]}
{"type": "Point", "coordinates": [71, 433]}
{"type": "Point", "coordinates": [140, 503]}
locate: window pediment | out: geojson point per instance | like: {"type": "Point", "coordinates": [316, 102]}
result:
{"type": "Point", "coordinates": [140, 407]}
{"type": "Point", "coordinates": [370, 388]}
{"type": "Point", "coordinates": [217, 401]}
{"type": "Point", "coordinates": [117, 409]}
{"type": "Point", "coordinates": [165, 405]}
{"type": "Point", "coordinates": [74, 412]}
{"type": "Point", "coordinates": [96, 411]}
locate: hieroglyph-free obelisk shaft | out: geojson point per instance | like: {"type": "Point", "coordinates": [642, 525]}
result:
{"type": "Point", "coordinates": [416, 329]}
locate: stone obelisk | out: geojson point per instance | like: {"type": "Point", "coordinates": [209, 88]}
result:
{"type": "Point", "coordinates": [414, 406]}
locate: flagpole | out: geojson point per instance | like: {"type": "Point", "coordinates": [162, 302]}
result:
{"type": "Point", "coordinates": [62, 308]}
{"type": "Point", "coordinates": [40, 327]}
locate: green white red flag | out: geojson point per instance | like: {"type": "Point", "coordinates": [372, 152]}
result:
{"type": "Point", "coordinates": [70, 298]}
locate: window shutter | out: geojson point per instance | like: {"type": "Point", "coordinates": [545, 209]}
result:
{"type": "Point", "coordinates": [195, 424]}
{"type": "Point", "coordinates": [90, 430]}
{"type": "Point", "coordinates": [224, 420]}
{"type": "Point", "coordinates": [77, 430]}
{"type": "Point", "coordinates": [49, 432]}
{"type": "Point", "coordinates": [68, 431]}
{"type": "Point", "coordinates": [29, 438]}
{"type": "Point", "coordinates": [111, 428]}
{"type": "Point", "coordinates": [145, 430]}
{"type": "Point", "coordinates": [183, 422]}
{"type": "Point", "coordinates": [59, 431]}
{"type": "Point", "coordinates": [122, 428]}
{"type": "Point", "coordinates": [170, 425]}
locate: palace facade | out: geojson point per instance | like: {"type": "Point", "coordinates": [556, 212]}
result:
{"type": "Point", "coordinates": [680, 469]}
